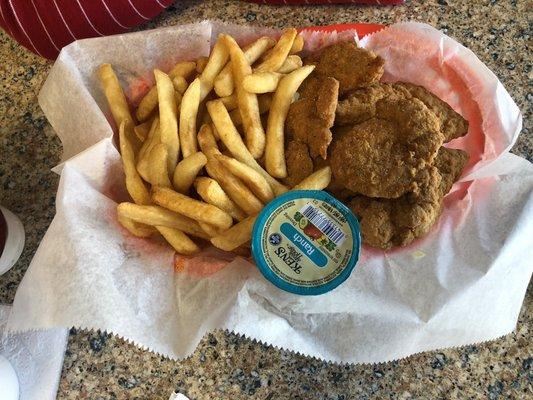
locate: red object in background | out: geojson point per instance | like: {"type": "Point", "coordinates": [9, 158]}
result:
{"type": "Point", "coordinates": [310, 2]}
{"type": "Point", "coordinates": [46, 26]}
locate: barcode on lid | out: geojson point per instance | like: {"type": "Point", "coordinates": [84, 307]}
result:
{"type": "Point", "coordinates": [323, 223]}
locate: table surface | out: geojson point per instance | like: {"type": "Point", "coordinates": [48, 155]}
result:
{"type": "Point", "coordinates": [100, 366]}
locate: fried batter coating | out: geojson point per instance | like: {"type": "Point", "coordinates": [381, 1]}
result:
{"type": "Point", "coordinates": [453, 125]}
{"type": "Point", "coordinates": [309, 119]}
{"type": "Point", "coordinates": [352, 66]}
{"type": "Point", "coordinates": [299, 162]}
{"type": "Point", "coordinates": [397, 222]}
{"type": "Point", "coordinates": [381, 156]}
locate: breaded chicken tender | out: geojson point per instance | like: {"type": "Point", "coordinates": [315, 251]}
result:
{"type": "Point", "coordinates": [386, 223]}
{"type": "Point", "coordinates": [381, 156]}
{"type": "Point", "coordinates": [352, 66]}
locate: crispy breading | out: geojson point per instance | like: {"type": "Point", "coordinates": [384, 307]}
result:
{"type": "Point", "coordinates": [352, 66]}
{"type": "Point", "coordinates": [380, 157]}
{"type": "Point", "coordinates": [397, 222]}
{"type": "Point", "coordinates": [299, 162]}
{"type": "Point", "coordinates": [360, 105]}
{"type": "Point", "coordinates": [450, 163]}
{"type": "Point", "coordinates": [309, 119]}
{"type": "Point", "coordinates": [453, 125]}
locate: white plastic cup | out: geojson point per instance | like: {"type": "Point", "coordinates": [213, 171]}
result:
{"type": "Point", "coordinates": [13, 231]}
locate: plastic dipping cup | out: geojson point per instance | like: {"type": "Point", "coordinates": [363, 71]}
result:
{"type": "Point", "coordinates": [306, 242]}
{"type": "Point", "coordinates": [11, 239]}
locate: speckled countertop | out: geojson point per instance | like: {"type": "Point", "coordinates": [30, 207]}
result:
{"type": "Point", "coordinates": [225, 366]}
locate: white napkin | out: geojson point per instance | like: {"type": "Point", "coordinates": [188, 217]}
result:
{"type": "Point", "coordinates": [36, 356]}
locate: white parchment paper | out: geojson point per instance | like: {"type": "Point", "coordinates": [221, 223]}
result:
{"type": "Point", "coordinates": [462, 283]}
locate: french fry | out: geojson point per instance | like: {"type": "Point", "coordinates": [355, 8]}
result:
{"type": "Point", "coordinates": [134, 183]}
{"type": "Point", "coordinates": [159, 216]}
{"type": "Point", "coordinates": [179, 98]}
{"type": "Point", "coordinates": [275, 145]}
{"type": "Point", "coordinates": [234, 187]}
{"type": "Point", "coordinates": [214, 130]}
{"type": "Point", "coordinates": [261, 82]}
{"type": "Point", "coordinates": [248, 106]}
{"type": "Point", "coordinates": [178, 240]}
{"type": "Point", "coordinates": [142, 130]}
{"type": "Point", "coordinates": [217, 60]}
{"type": "Point", "coordinates": [187, 170]}
{"type": "Point", "coordinates": [157, 168]}
{"type": "Point", "coordinates": [251, 178]}
{"type": "Point", "coordinates": [235, 236]}
{"type": "Point", "coordinates": [180, 84]}
{"type": "Point", "coordinates": [241, 232]}
{"type": "Point", "coordinates": [318, 180]}
{"type": "Point", "coordinates": [143, 157]}
{"type": "Point", "coordinates": [279, 53]}
{"type": "Point", "coordinates": [150, 99]}
{"type": "Point", "coordinates": [290, 64]}
{"type": "Point", "coordinates": [224, 84]}
{"type": "Point", "coordinates": [230, 101]}
{"type": "Point", "coordinates": [168, 121]}
{"type": "Point", "coordinates": [198, 210]}
{"type": "Point", "coordinates": [188, 114]}
{"type": "Point", "coordinates": [114, 95]}
{"type": "Point", "coordinates": [136, 228]}
{"type": "Point", "coordinates": [297, 45]}
{"type": "Point", "coordinates": [201, 63]}
{"type": "Point", "coordinates": [211, 230]}
{"type": "Point", "coordinates": [232, 140]}
{"type": "Point", "coordinates": [207, 140]}
{"type": "Point", "coordinates": [211, 192]}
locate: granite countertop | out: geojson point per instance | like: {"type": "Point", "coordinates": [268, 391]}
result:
{"type": "Point", "coordinates": [100, 366]}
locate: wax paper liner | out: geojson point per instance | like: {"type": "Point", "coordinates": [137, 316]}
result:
{"type": "Point", "coordinates": [462, 283]}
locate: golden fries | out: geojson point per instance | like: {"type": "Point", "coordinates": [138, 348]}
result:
{"type": "Point", "coordinates": [211, 192]}
{"type": "Point", "coordinates": [248, 106]}
{"type": "Point", "coordinates": [261, 82]}
{"type": "Point", "coordinates": [236, 186]}
{"type": "Point", "coordinates": [235, 236]}
{"type": "Point", "coordinates": [142, 158]}
{"type": "Point", "coordinates": [159, 216]}
{"type": "Point", "coordinates": [279, 53]}
{"type": "Point", "coordinates": [142, 130]}
{"type": "Point", "coordinates": [224, 85]}
{"type": "Point", "coordinates": [134, 183]}
{"type": "Point", "coordinates": [114, 95]}
{"type": "Point", "coordinates": [275, 146]}
{"type": "Point", "coordinates": [318, 180]}
{"type": "Point", "coordinates": [187, 170]}
{"type": "Point", "coordinates": [157, 166]}
{"type": "Point", "coordinates": [207, 141]}
{"type": "Point", "coordinates": [230, 102]}
{"type": "Point", "coordinates": [217, 60]}
{"type": "Point", "coordinates": [290, 64]}
{"type": "Point", "coordinates": [235, 189]}
{"type": "Point", "coordinates": [232, 140]}
{"type": "Point", "coordinates": [180, 84]}
{"type": "Point", "coordinates": [251, 178]}
{"type": "Point", "coordinates": [211, 230]}
{"type": "Point", "coordinates": [150, 99]}
{"type": "Point", "coordinates": [201, 62]}
{"type": "Point", "coordinates": [168, 121]}
{"type": "Point", "coordinates": [297, 45]}
{"type": "Point", "coordinates": [188, 114]}
{"type": "Point", "coordinates": [178, 240]}
{"type": "Point", "coordinates": [136, 228]}
{"type": "Point", "coordinates": [191, 208]}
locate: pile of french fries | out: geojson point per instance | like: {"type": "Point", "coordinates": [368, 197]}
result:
{"type": "Point", "coordinates": [197, 160]}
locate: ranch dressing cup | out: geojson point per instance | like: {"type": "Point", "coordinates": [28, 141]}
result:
{"type": "Point", "coordinates": [306, 242]}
